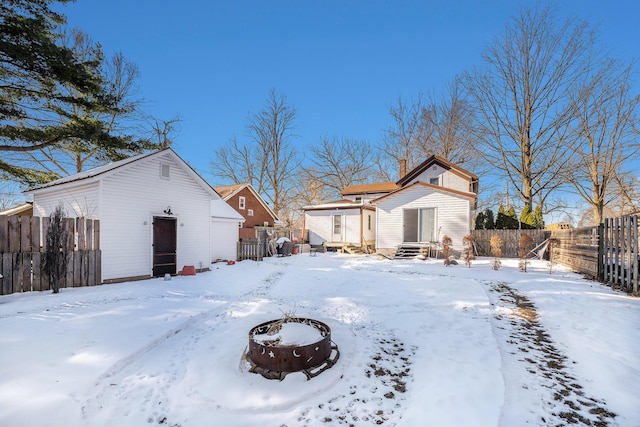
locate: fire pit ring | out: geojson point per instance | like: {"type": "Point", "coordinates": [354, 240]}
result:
{"type": "Point", "coordinates": [274, 360]}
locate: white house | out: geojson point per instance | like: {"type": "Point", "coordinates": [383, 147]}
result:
{"type": "Point", "coordinates": [156, 215]}
{"type": "Point", "coordinates": [435, 198]}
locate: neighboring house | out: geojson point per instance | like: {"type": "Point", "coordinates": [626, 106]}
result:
{"type": "Point", "coordinates": [25, 209]}
{"type": "Point", "coordinates": [156, 215]}
{"type": "Point", "coordinates": [248, 203]}
{"type": "Point", "coordinates": [434, 199]}
{"type": "Point", "coordinates": [347, 222]}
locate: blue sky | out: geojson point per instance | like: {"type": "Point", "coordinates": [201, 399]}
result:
{"type": "Point", "coordinates": [340, 63]}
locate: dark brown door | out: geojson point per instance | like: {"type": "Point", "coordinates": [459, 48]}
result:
{"type": "Point", "coordinates": [164, 246]}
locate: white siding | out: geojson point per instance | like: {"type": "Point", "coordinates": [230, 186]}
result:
{"type": "Point", "coordinates": [224, 238]}
{"type": "Point", "coordinates": [79, 201]}
{"type": "Point", "coordinates": [365, 197]}
{"type": "Point", "coordinates": [453, 215]}
{"type": "Point", "coordinates": [369, 233]}
{"type": "Point", "coordinates": [132, 196]}
{"type": "Point", "coordinates": [320, 226]}
{"type": "Point", "coordinates": [447, 178]}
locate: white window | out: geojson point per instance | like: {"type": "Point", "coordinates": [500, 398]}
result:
{"type": "Point", "coordinates": [359, 199]}
{"type": "Point", "coordinates": [369, 222]}
{"type": "Point", "coordinates": [434, 181]}
{"type": "Point", "coordinates": [242, 202]}
{"type": "Point", "coordinates": [266, 223]}
{"type": "Point", "coordinates": [337, 225]}
{"type": "Point", "coordinates": [164, 170]}
{"type": "Point", "coordinates": [250, 212]}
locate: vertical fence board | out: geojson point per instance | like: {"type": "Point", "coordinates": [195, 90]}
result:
{"type": "Point", "coordinates": [96, 234]}
{"type": "Point", "coordinates": [81, 227]}
{"type": "Point", "coordinates": [89, 235]}
{"type": "Point", "coordinates": [16, 274]}
{"type": "Point", "coordinates": [36, 283]}
{"type": "Point", "coordinates": [77, 270]}
{"type": "Point", "coordinates": [14, 234]}
{"type": "Point", "coordinates": [36, 241]}
{"type": "Point", "coordinates": [25, 233]}
{"type": "Point", "coordinates": [636, 254]}
{"type": "Point", "coordinates": [91, 279]}
{"type": "Point", "coordinates": [7, 273]}
{"type": "Point", "coordinates": [4, 234]}
{"type": "Point", "coordinates": [25, 272]}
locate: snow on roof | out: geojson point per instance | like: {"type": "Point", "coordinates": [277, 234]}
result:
{"type": "Point", "coordinates": [94, 171]}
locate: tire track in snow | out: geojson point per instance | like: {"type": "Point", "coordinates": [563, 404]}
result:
{"type": "Point", "coordinates": [123, 381]}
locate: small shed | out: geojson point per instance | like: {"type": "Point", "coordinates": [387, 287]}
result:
{"type": "Point", "coordinates": [156, 214]}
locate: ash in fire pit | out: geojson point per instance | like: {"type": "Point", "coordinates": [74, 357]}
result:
{"type": "Point", "coordinates": [292, 344]}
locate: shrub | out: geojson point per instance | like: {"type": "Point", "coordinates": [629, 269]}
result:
{"type": "Point", "coordinates": [467, 249]}
{"type": "Point", "coordinates": [55, 258]}
{"type": "Point", "coordinates": [524, 243]}
{"type": "Point", "coordinates": [496, 250]}
{"type": "Point", "coordinates": [446, 249]}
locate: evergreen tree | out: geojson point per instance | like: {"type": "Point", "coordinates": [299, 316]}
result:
{"type": "Point", "coordinates": [490, 223]}
{"type": "Point", "coordinates": [512, 222]}
{"type": "Point", "coordinates": [527, 221]}
{"type": "Point", "coordinates": [36, 70]}
{"type": "Point", "coordinates": [481, 220]}
{"type": "Point", "coordinates": [538, 220]}
{"type": "Point", "coordinates": [501, 219]}
{"type": "Point", "coordinates": [55, 257]}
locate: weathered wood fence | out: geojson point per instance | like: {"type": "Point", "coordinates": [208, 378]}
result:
{"type": "Point", "coordinates": [22, 251]}
{"type": "Point", "coordinates": [509, 240]}
{"type": "Point", "coordinates": [577, 248]}
{"type": "Point", "coordinates": [609, 252]}
{"type": "Point", "coordinates": [619, 253]}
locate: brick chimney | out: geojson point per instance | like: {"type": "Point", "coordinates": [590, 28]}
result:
{"type": "Point", "coordinates": [403, 168]}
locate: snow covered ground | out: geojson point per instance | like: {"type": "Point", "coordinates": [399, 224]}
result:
{"type": "Point", "coordinates": [420, 344]}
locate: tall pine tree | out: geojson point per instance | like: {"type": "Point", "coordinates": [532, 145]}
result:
{"type": "Point", "coordinates": [36, 108]}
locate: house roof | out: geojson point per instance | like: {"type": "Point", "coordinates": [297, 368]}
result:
{"type": "Point", "coordinates": [25, 208]}
{"type": "Point", "coordinates": [94, 174]}
{"type": "Point", "coordinates": [337, 204]}
{"type": "Point", "coordinates": [228, 191]}
{"type": "Point", "coordinates": [435, 160]}
{"type": "Point", "coordinates": [376, 187]}
{"type": "Point", "coordinates": [95, 171]}
{"type": "Point", "coordinates": [222, 210]}
{"type": "Point", "coordinates": [431, 186]}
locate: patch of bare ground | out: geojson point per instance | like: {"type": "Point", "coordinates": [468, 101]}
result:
{"type": "Point", "coordinates": [568, 402]}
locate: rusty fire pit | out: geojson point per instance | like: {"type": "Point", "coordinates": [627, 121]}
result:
{"type": "Point", "coordinates": [293, 344]}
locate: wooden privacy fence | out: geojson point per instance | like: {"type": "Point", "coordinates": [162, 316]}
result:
{"type": "Point", "coordinates": [619, 252]}
{"type": "Point", "coordinates": [577, 248]}
{"type": "Point", "coordinates": [509, 240]}
{"type": "Point", "coordinates": [22, 252]}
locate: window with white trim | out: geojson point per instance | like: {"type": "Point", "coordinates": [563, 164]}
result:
{"type": "Point", "coordinates": [250, 212]}
{"type": "Point", "coordinates": [242, 202]}
{"type": "Point", "coordinates": [434, 181]}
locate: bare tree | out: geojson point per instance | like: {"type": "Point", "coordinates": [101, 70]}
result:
{"type": "Point", "coordinates": [339, 162]}
{"type": "Point", "coordinates": [407, 138]}
{"type": "Point", "coordinates": [162, 132]}
{"type": "Point", "coordinates": [447, 125]}
{"type": "Point", "coordinates": [520, 94]}
{"type": "Point", "coordinates": [269, 160]}
{"type": "Point", "coordinates": [605, 116]}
